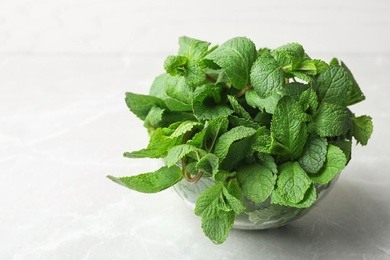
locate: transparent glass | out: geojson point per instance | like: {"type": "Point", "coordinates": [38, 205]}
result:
{"type": "Point", "coordinates": [262, 215]}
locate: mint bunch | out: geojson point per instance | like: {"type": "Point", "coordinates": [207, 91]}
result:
{"type": "Point", "coordinates": [261, 123]}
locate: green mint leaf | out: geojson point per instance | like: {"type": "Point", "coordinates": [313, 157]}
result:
{"type": "Point", "coordinates": [208, 164]}
{"type": "Point", "coordinates": [312, 67]}
{"type": "Point", "coordinates": [217, 227]}
{"type": "Point", "coordinates": [268, 161]}
{"type": "Point", "coordinates": [308, 200]}
{"type": "Point", "coordinates": [292, 182]}
{"type": "Point", "coordinates": [154, 117]}
{"type": "Point", "coordinates": [257, 182]}
{"type": "Point", "coordinates": [184, 128]}
{"type": "Point", "coordinates": [355, 95]}
{"type": "Point", "coordinates": [140, 104]}
{"type": "Point", "coordinates": [331, 120]}
{"type": "Point", "coordinates": [295, 89]}
{"type": "Point", "coordinates": [207, 103]}
{"type": "Point", "coordinates": [178, 152]}
{"type": "Point", "coordinates": [289, 54]}
{"type": "Point", "coordinates": [335, 163]}
{"type": "Point", "coordinates": [302, 75]}
{"type": "Point", "coordinates": [268, 104]}
{"type": "Point", "coordinates": [222, 175]}
{"type": "Point", "coordinates": [267, 76]}
{"type": "Point", "coordinates": [314, 154]}
{"type": "Point", "coordinates": [333, 86]}
{"type": "Point", "coordinates": [227, 139]}
{"type": "Point", "coordinates": [288, 126]}
{"type": "Point", "coordinates": [233, 196]}
{"type": "Point", "coordinates": [239, 121]}
{"type": "Point", "coordinates": [263, 142]}
{"type": "Point", "coordinates": [158, 146]}
{"type": "Point", "coordinates": [159, 89]}
{"type": "Point", "coordinates": [151, 182]}
{"type": "Point", "coordinates": [216, 127]}
{"type": "Point", "coordinates": [238, 109]}
{"type": "Point", "coordinates": [362, 129]}
{"type": "Point", "coordinates": [175, 65]}
{"type": "Point", "coordinates": [237, 151]}
{"type": "Point", "coordinates": [235, 57]}
{"type": "Point", "coordinates": [309, 101]}
{"type": "Point", "coordinates": [345, 146]}
{"type": "Point", "coordinates": [178, 90]}
{"type": "Point", "coordinates": [192, 48]}
{"type": "Point", "coordinates": [211, 201]}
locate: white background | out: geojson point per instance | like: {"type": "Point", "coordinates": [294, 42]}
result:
{"type": "Point", "coordinates": [64, 69]}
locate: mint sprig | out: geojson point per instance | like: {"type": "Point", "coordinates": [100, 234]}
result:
{"type": "Point", "coordinates": [262, 124]}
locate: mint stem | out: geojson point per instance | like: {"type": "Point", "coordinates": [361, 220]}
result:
{"type": "Point", "coordinates": [243, 91]}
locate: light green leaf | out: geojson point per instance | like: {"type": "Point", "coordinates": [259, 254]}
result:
{"type": "Point", "coordinates": [288, 126]}
{"type": "Point", "coordinates": [151, 182]}
{"type": "Point", "coordinates": [211, 201]}
{"type": "Point", "coordinates": [226, 140]}
{"type": "Point", "coordinates": [154, 117]}
{"type": "Point", "coordinates": [192, 48]}
{"type": "Point", "coordinates": [292, 182]}
{"type": "Point", "coordinates": [217, 227]}
{"type": "Point", "coordinates": [208, 164]}
{"type": "Point", "coordinates": [308, 200]}
{"type": "Point", "coordinates": [178, 152]}
{"type": "Point", "coordinates": [235, 57]}
{"type": "Point", "coordinates": [332, 86]}
{"type": "Point", "coordinates": [140, 105]}
{"type": "Point", "coordinates": [268, 104]}
{"type": "Point", "coordinates": [331, 120]}
{"type": "Point", "coordinates": [314, 154]}
{"type": "Point", "coordinates": [184, 128]}
{"type": "Point", "coordinates": [175, 65]}
{"type": "Point", "coordinates": [257, 182]}
{"type": "Point", "coordinates": [158, 146]}
{"type": "Point", "coordinates": [267, 76]}
{"type": "Point", "coordinates": [335, 163]}
{"type": "Point", "coordinates": [233, 196]}
{"type": "Point", "coordinates": [178, 90]}
{"type": "Point", "coordinates": [159, 89]}
{"type": "Point", "coordinates": [289, 54]}
{"type": "Point", "coordinates": [362, 129]}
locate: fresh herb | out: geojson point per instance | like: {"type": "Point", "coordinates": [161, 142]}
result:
{"type": "Point", "coordinates": [263, 124]}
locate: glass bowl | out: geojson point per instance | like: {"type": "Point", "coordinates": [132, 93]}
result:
{"type": "Point", "coordinates": [262, 215]}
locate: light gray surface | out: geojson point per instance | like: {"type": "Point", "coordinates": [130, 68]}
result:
{"type": "Point", "coordinates": [64, 126]}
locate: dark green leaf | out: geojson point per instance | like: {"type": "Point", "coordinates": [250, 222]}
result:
{"type": "Point", "coordinates": [335, 163]}
{"type": "Point", "coordinates": [207, 104]}
{"type": "Point", "coordinates": [314, 154]}
{"type": "Point", "coordinates": [288, 126]}
{"type": "Point", "coordinates": [333, 86]}
{"type": "Point", "coordinates": [331, 120]}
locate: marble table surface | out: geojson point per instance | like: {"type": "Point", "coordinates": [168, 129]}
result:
{"type": "Point", "coordinates": [64, 126]}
